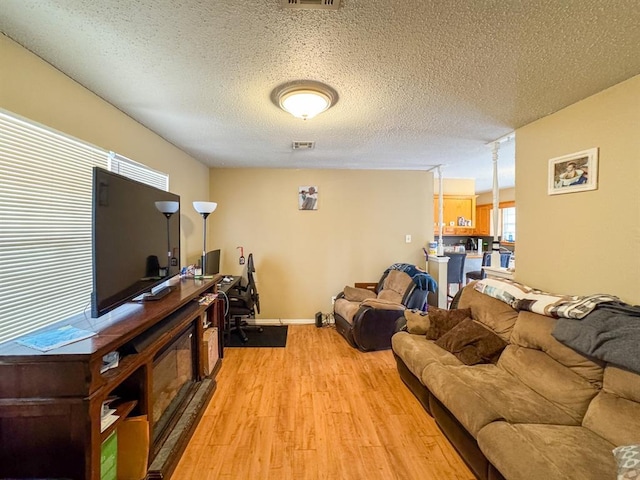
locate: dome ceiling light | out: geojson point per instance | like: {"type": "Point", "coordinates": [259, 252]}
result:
{"type": "Point", "coordinates": [304, 98]}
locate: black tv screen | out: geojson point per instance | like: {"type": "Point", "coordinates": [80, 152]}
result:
{"type": "Point", "coordinates": [135, 246]}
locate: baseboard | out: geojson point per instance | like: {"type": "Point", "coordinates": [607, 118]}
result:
{"type": "Point", "coordinates": [281, 321]}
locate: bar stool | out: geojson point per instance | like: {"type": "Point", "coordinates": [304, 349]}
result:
{"type": "Point", "coordinates": [455, 272]}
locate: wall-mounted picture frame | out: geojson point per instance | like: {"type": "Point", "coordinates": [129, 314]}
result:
{"type": "Point", "coordinates": [308, 197]}
{"type": "Point", "coordinates": [576, 172]}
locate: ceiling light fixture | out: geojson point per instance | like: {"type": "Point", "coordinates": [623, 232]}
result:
{"type": "Point", "coordinates": [304, 98]}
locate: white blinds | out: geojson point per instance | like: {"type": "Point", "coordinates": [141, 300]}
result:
{"type": "Point", "coordinates": [45, 225]}
{"type": "Point", "coordinates": [45, 222]}
{"type": "Point", "coordinates": [138, 171]}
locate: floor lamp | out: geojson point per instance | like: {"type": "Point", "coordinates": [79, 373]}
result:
{"type": "Point", "coordinates": [204, 209]}
{"type": "Point", "coordinates": [168, 209]}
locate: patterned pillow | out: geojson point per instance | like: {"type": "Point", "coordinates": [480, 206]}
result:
{"type": "Point", "coordinates": [628, 458]}
{"type": "Point", "coordinates": [441, 320]}
{"type": "Point", "coordinates": [522, 297]}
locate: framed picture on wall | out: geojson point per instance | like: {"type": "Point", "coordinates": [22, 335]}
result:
{"type": "Point", "coordinates": [308, 197]}
{"type": "Point", "coordinates": [576, 172]}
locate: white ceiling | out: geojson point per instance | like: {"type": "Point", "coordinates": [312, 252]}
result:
{"type": "Point", "coordinates": [421, 83]}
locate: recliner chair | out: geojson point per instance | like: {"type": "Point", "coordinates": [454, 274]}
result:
{"type": "Point", "coordinates": [244, 302]}
{"type": "Point", "coordinates": [366, 319]}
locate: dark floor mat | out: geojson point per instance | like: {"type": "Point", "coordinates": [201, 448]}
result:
{"type": "Point", "coordinates": [271, 336]}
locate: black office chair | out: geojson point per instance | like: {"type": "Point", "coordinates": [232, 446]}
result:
{"type": "Point", "coordinates": [244, 302]}
{"type": "Point", "coordinates": [455, 272]}
{"type": "Point", "coordinates": [486, 260]}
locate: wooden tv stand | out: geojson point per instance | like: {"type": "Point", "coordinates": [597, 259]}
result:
{"type": "Point", "coordinates": [50, 402]}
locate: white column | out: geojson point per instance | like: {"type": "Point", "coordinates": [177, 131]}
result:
{"type": "Point", "coordinates": [440, 213]}
{"type": "Point", "coordinates": [495, 247]}
{"type": "Point", "coordinates": [437, 268]}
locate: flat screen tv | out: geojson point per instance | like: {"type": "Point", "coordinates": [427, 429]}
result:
{"type": "Point", "coordinates": [136, 246]}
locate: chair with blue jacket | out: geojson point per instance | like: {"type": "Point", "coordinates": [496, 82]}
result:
{"type": "Point", "coordinates": [366, 318]}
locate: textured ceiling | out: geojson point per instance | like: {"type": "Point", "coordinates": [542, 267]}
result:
{"type": "Point", "coordinates": [421, 83]}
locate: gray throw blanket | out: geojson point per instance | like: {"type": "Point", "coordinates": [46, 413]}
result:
{"type": "Point", "coordinates": [611, 333]}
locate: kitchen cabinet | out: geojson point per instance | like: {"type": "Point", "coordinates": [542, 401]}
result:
{"type": "Point", "coordinates": [456, 210]}
{"type": "Point", "coordinates": [484, 218]}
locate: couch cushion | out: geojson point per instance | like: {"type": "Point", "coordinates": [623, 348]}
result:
{"type": "Point", "coordinates": [357, 294]}
{"type": "Point", "coordinates": [547, 452]}
{"type": "Point", "coordinates": [496, 315]}
{"type": "Point", "coordinates": [615, 412]}
{"type": "Point", "coordinates": [441, 320]}
{"type": "Point", "coordinates": [417, 321]}
{"type": "Point", "coordinates": [346, 309]}
{"type": "Point", "coordinates": [556, 383]}
{"type": "Point", "coordinates": [395, 286]}
{"type": "Point", "coordinates": [534, 331]}
{"type": "Point", "coordinates": [481, 394]}
{"type": "Point", "coordinates": [472, 343]}
{"type": "Point", "coordinates": [416, 352]}
{"type": "Point", "coordinates": [382, 304]}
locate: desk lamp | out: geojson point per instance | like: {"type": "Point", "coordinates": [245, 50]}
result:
{"type": "Point", "coordinates": [204, 209]}
{"type": "Point", "coordinates": [168, 209]}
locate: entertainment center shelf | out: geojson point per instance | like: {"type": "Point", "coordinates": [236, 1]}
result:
{"type": "Point", "coordinates": [51, 402]}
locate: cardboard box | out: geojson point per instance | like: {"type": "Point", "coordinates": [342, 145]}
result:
{"type": "Point", "coordinates": [133, 448]}
{"type": "Point", "coordinates": [210, 349]}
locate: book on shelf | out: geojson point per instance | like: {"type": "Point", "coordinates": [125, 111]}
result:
{"type": "Point", "coordinates": [108, 419]}
{"type": "Point", "coordinates": [207, 298]}
{"type": "Point", "coordinates": [109, 361]}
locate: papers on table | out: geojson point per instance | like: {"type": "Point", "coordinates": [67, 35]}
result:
{"type": "Point", "coordinates": [51, 339]}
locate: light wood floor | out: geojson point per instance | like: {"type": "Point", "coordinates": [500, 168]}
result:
{"type": "Point", "coordinates": [317, 409]}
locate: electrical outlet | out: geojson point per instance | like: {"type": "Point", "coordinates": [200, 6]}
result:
{"type": "Point", "coordinates": [333, 300]}
{"type": "Point", "coordinates": [407, 238]}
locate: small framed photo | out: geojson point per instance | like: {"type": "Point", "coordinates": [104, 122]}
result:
{"type": "Point", "coordinates": [308, 197]}
{"type": "Point", "coordinates": [576, 172]}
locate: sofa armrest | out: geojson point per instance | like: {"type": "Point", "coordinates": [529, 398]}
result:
{"type": "Point", "coordinates": [373, 327]}
{"type": "Point", "coordinates": [401, 325]}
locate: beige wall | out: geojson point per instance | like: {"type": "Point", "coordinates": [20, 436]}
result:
{"type": "Point", "coordinates": [305, 257]}
{"type": "Point", "coordinates": [505, 195]}
{"type": "Point", "coordinates": [35, 90]}
{"type": "Point", "coordinates": [454, 186]}
{"type": "Point", "coordinates": [584, 242]}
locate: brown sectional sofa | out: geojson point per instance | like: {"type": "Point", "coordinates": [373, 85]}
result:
{"type": "Point", "coordinates": [543, 411]}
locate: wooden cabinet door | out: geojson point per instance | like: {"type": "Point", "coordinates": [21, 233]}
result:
{"type": "Point", "coordinates": [454, 207]}
{"type": "Point", "coordinates": [483, 220]}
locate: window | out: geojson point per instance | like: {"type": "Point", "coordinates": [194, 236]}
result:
{"type": "Point", "coordinates": [138, 171]}
{"type": "Point", "coordinates": [45, 215]}
{"type": "Point", "coordinates": [508, 224]}
{"type": "Point", "coordinates": [506, 220]}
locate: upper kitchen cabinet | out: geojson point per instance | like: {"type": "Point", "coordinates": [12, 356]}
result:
{"type": "Point", "coordinates": [459, 214]}
{"type": "Point", "coordinates": [484, 221]}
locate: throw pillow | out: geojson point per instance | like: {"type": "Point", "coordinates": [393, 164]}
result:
{"type": "Point", "coordinates": [441, 320]}
{"type": "Point", "coordinates": [357, 294]}
{"type": "Point", "coordinates": [417, 321]}
{"type": "Point", "coordinates": [628, 459]}
{"type": "Point", "coordinates": [472, 343]}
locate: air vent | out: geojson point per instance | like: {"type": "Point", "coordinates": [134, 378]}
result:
{"type": "Point", "coordinates": [315, 4]}
{"type": "Point", "coordinates": [303, 145]}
